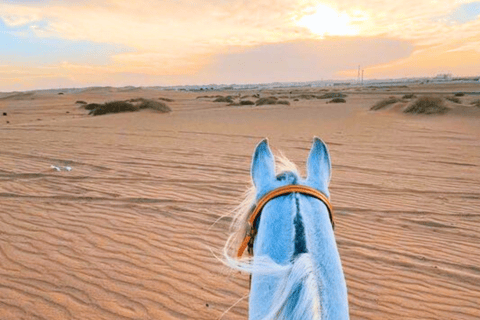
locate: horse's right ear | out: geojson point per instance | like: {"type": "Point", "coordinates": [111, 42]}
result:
{"type": "Point", "coordinates": [319, 167]}
{"type": "Point", "coordinates": [263, 165]}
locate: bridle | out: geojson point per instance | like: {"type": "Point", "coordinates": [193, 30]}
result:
{"type": "Point", "coordinates": [255, 215]}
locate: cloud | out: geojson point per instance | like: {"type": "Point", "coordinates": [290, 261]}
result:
{"type": "Point", "coordinates": [303, 60]}
{"type": "Point", "coordinates": [21, 46]}
{"type": "Point", "coordinates": [462, 14]}
{"type": "Point", "coordinates": [429, 61]}
{"type": "Point", "coordinates": [181, 40]}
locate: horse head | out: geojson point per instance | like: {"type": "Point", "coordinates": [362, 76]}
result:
{"type": "Point", "coordinates": [296, 271]}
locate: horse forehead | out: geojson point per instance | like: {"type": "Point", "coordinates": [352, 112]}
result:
{"type": "Point", "coordinates": [288, 176]}
{"type": "Point", "coordinates": [282, 179]}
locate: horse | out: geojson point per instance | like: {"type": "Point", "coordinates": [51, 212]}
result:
{"type": "Point", "coordinates": [286, 222]}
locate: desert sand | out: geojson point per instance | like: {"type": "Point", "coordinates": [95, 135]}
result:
{"type": "Point", "coordinates": [133, 230]}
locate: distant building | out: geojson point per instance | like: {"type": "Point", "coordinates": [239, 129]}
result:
{"type": "Point", "coordinates": [443, 76]}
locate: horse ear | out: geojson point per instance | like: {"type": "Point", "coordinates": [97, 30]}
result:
{"type": "Point", "coordinates": [318, 165]}
{"type": "Point", "coordinates": [263, 165]}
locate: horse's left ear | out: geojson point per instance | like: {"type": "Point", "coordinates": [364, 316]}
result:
{"type": "Point", "coordinates": [319, 168]}
{"type": "Point", "coordinates": [263, 166]}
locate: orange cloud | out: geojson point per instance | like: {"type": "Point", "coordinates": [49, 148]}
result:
{"type": "Point", "coordinates": [179, 39]}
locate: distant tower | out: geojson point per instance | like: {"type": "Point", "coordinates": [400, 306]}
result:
{"type": "Point", "coordinates": [362, 76]}
{"type": "Point", "coordinates": [358, 75]}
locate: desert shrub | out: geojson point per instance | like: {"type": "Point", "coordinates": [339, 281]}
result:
{"type": "Point", "coordinates": [126, 106]}
{"type": "Point", "coordinates": [476, 103]}
{"type": "Point", "coordinates": [285, 102]}
{"type": "Point", "coordinates": [224, 99]}
{"type": "Point", "coordinates": [307, 96]}
{"type": "Point", "coordinates": [409, 96]}
{"type": "Point", "coordinates": [459, 94]}
{"type": "Point", "coordinates": [113, 107]}
{"type": "Point", "coordinates": [283, 97]}
{"type": "Point", "coordinates": [385, 102]}
{"type": "Point", "coordinates": [263, 101]}
{"type": "Point", "coordinates": [166, 99]}
{"type": "Point", "coordinates": [337, 100]}
{"type": "Point", "coordinates": [80, 102]}
{"type": "Point", "coordinates": [332, 95]}
{"type": "Point", "coordinates": [154, 105]}
{"type": "Point", "coordinates": [91, 106]}
{"type": "Point", "coordinates": [453, 99]}
{"type": "Point", "coordinates": [295, 100]}
{"type": "Point", "coordinates": [246, 103]}
{"type": "Point", "coordinates": [208, 97]}
{"type": "Point", "coordinates": [427, 105]}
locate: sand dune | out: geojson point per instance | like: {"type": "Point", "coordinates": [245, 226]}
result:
{"type": "Point", "coordinates": [17, 96]}
{"type": "Point", "coordinates": [131, 231]}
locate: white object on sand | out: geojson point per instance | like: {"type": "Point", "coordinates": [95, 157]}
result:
{"type": "Point", "coordinates": [58, 168]}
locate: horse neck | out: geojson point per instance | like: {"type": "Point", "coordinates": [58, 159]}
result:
{"type": "Point", "coordinates": [275, 239]}
{"type": "Point", "coordinates": [322, 246]}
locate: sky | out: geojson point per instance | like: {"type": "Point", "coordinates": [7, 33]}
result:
{"type": "Point", "coordinates": [80, 43]}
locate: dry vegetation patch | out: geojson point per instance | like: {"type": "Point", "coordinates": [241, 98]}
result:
{"type": "Point", "coordinates": [306, 97]}
{"type": "Point", "coordinates": [126, 106]}
{"type": "Point", "coordinates": [476, 103]}
{"type": "Point", "coordinates": [385, 102]}
{"type": "Point", "coordinates": [166, 99]}
{"type": "Point", "coordinates": [242, 103]}
{"type": "Point", "coordinates": [332, 95]}
{"type": "Point", "coordinates": [268, 100]}
{"type": "Point", "coordinates": [329, 95]}
{"type": "Point", "coordinates": [224, 99]}
{"type": "Point", "coordinates": [154, 105]}
{"type": "Point", "coordinates": [91, 106]}
{"type": "Point", "coordinates": [427, 105]}
{"type": "Point", "coordinates": [409, 96]}
{"type": "Point", "coordinates": [453, 99]}
{"type": "Point", "coordinates": [337, 100]}
{"type": "Point", "coordinates": [113, 107]}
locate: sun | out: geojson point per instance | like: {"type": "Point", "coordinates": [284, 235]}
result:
{"type": "Point", "coordinates": [326, 21]}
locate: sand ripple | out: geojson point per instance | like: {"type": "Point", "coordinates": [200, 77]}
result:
{"type": "Point", "coordinates": [130, 232]}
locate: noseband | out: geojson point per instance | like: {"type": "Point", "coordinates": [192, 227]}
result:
{"type": "Point", "coordinates": [255, 215]}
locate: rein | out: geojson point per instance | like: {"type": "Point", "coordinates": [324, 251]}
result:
{"type": "Point", "coordinates": [255, 215]}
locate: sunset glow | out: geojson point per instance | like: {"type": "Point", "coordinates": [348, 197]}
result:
{"type": "Point", "coordinates": [119, 42]}
{"type": "Point", "coordinates": [326, 21]}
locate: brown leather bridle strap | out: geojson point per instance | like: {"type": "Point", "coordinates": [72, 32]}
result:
{"type": "Point", "coordinates": [250, 236]}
